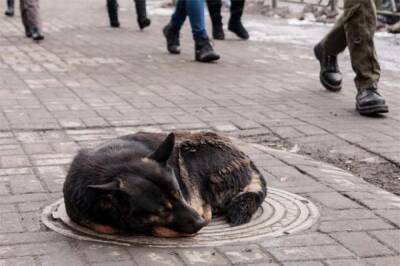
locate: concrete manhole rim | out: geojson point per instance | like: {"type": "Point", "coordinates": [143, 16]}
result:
{"type": "Point", "coordinates": [295, 214]}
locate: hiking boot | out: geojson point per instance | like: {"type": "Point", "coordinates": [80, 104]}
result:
{"type": "Point", "coordinates": [330, 75]}
{"type": "Point", "coordinates": [204, 52]}
{"type": "Point", "coordinates": [172, 36]}
{"type": "Point", "coordinates": [114, 24]}
{"type": "Point", "coordinates": [143, 23]}
{"type": "Point", "coordinates": [36, 35]}
{"type": "Point", "coordinates": [9, 12]}
{"type": "Point", "coordinates": [28, 32]}
{"type": "Point", "coordinates": [238, 28]}
{"type": "Point", "coordinates": [370, 102]}
{"type": "Point", "coordinates": [141, 12]}
{"type": "Point", "coordinates": [218, 32]}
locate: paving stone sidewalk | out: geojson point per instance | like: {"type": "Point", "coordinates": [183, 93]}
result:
{"type": "Point", "coordinates": [87, 83]}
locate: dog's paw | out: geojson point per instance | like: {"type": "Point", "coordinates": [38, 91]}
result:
{"type": "Point", "coordinates": [238, 216]}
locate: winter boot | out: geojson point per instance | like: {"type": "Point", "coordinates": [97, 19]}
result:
{"type": "Point", "coordinates": [370, 102]}
{"type": "Point", "coordinates": [10, 8]}
{"type": "Point", "coordinates": [112, 8]}
{"type": "Point", "coordinates": [204, 52]}
{"type": "Point", "coordinates": [329, 75]}
{"type": "Point", "coordinates": [235, 24]}
{"type": "Point", "coordinates": [36, 35]}
{"type": "Point", "coordinates": [214, 8]}
{"type": "Point", "coordinates": [141, 13]}
{"type": "Point", "coordinates": [171, 33]}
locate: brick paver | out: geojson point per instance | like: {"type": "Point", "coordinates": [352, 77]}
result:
{"type": "Point", "coordinates": [87, 83]}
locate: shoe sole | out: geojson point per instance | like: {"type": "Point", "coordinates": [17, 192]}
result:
{"type": "Point", "coordinates": [170, 51]}
{"type": "Point", "coordinates": [329, 87]}
{"type": "Point", "coordinates": [373, 109]}
{"type": "Point", "coordinates": [208, 59]}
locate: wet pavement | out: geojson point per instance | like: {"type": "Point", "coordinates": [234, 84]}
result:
{"type": "Point", "coordinates": [87, 83]}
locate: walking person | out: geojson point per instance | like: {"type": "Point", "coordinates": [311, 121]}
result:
{"type": "Point", "coordinates": [235, 21]}
{"type": "Point", "coordinates": [194, 9]}
{"type": "Point", "coordinates": [10, 8]}
{"type": "Point", "coordinates": [30, 14]}
{"type": "Point", "coordinates": [141, 13]}
{"type": "Point", "coordinates": [355, 30]}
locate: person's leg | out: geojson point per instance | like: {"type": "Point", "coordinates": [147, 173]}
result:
{"type": "Point", "coordinates": [24, 18]}
{"type": "Point", "coordinates": [195, 12]}
{"type": "Point", "coordinates": [171, 31]}
{"type": "Point", "coordinates": [326, 52]}
{"type": "Point", "coordinates": [214, 9]}
{"type": "Point", "coordinates": [112, 9]}
{"type": "Point", "coordinates": [360, 26]}
{"type": "Point", "coordinates": [141, 13]}
{"type": "Point", "coordinates": [235, 22]}
{"type": "Point", "coordinates": [10, 8]}
{"type": "Point", "coordinates": [204, 52]}
{"type": "Point", "coordinates": [354, 29]}
{"type": "Point", "coordinates": [32, 10]}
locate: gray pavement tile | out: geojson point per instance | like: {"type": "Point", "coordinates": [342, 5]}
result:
{"type": "Point", "coordinates": [390, 238]}
{"type": "Point", "coordinates": [94, 252]}
{"type": "Point", "coordinates": [353, 225]}
{"type": "Point", "coordinates": [201, 256]}
{"type": "Point", "coordinates": [362, 244]}
{"type": "Point", "coordinates": [245, 254]}
{"type": "Point", "coordinates": [310, 252]}
{"type": "Point", "coordinates": [162, 257]}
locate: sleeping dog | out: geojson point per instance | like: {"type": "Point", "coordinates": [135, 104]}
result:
{"type": "Point", "coordinates": [162, 185]}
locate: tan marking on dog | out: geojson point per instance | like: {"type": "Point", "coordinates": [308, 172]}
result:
{"type": "Point", "coordinates": [103, 229]}
{"type": "Point", "coordinates": [207, 215]}
{"type": "Point", "coordinates": [255, 183]}
{"type": "Point", "coordinates": [161, 231]}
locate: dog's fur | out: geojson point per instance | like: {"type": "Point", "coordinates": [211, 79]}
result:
{"type": "Point", "coordinates": [147, 183]}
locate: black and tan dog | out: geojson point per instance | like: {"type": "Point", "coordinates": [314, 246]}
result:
{"type": "Point", "coordinates": [167, 186]}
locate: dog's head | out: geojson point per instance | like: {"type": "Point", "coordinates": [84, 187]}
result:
{"type": "Point", "coordinates": [149, 198]}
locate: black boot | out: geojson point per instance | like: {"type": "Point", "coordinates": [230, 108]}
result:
{"type": "Point", "coordinates": [112, 8]}
{"type": "Point", "coordinates": [28, 31]}
{"type": "Point", "coordinates": [10, 8]}
{"type": "Point", "coordinates": [370, 102]}
{"type": "Point", "coordinates": [141, 13]}
{"type": "Point", "coordinates": [235, 22]}
{"type": "Point", "coordinates": [204, 52]}
{"type": "Point", "coordinates": [214, 8]}
{"type": "Point", "coordinates": [330, 75]}
{"type": "Point", "coordinates": [172, 35]}
{"type": "Point", "coordinates": [36, 35]}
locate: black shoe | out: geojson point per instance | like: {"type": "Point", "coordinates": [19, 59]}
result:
{"type": "Point", "coordinates": [143, 23]}
{"type": "Point", "coordinates": [36, 35]}
{"type": "Point", "coordinates": [370, 102]}
{"type": "Point", "coordinates": [218, 32]}
{"type": "Point", "coordinates": [204, 52]}
{"type": "Point", "coordinates": [172, 36]}
{"type": "Point", "coordinates": [9, 12]}
{"type": "Point", "coordinates": [28, 32]}
{"type": "Point", "coordinates": [114, 24]}
{"type": "Point", "coordinates": [238, 29]}
{"type": "Point", "coordinates": [330, 75]}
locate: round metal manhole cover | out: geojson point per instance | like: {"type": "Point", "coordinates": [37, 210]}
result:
{"type": "Point", "coordinates": [281, 213]}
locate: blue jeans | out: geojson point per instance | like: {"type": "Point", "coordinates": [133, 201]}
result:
{"type": "Point", "coordinates": [195, 10]}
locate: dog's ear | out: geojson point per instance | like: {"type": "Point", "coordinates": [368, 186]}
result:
{"type": "Point", "coordinates": [111, 186]}
{"type": "Point", "coordinates": [165, 149]}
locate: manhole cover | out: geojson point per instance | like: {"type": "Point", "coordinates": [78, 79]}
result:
{"type": "Point", "coordinates": [281, 213]}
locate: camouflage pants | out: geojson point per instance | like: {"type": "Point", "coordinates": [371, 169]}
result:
{"type": "Point", "coordinates": [355, 30]}
{"type": "Point", "coordinates": [30, 14]}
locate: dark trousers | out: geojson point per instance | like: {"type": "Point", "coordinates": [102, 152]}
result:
{"type": "Point", "coordinates": [355, 30]}
{"type": "Point", "coordinates": [214, 8]}
{"type": "Point", "coordinates": [112, 8]}
{"type": "Point", "coordinates": [10, 3]}
{"type": "Point", "coordinates": [30, 14]}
